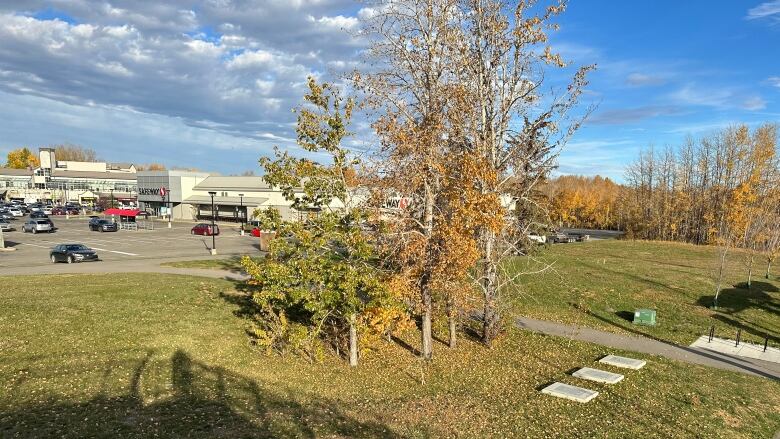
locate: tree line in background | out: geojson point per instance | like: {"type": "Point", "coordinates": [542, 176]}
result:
{"type": "Point", "coordinates": [726, 182]}
{"type": "Point", "coordinates": [465, 117]}
{"type": "Point", "coordinates": [25, 158]}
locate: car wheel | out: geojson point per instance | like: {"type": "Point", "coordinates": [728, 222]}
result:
{"type": "Point", "coordinates": [70, 259]}
{"type": "Point", "coordinates": [102, 230]}
{"type": "Point", "coordinates": [53, 259]}
{"type": "Point", "coordinates": [35, 231]}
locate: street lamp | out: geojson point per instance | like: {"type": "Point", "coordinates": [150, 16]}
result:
{"type": "Point", "coordinates": [213, 238]}
{"type": "Point", "coordinates": [241, 212]}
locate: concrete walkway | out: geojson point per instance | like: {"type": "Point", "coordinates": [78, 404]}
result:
{"type": "Point", "coordinates": [651, 346]}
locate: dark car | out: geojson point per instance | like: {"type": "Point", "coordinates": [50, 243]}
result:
{"type": "Point", "coordinates": [71, 253]}
{"type": "Point", "coordinates": [38, 215]}
{"type": "Point", "coordinates": [205, 229]}
{"type": "Point", "coordinates": [102, 225]}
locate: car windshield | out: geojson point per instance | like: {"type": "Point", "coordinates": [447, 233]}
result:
{"type": "Point", "coordinates": [76, 247]}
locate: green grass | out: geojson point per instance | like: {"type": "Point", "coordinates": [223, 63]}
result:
{"type": "Point", "coordinates": [231, 264]}
{"type": "Point", "coordinates": [139, 355]}
{"type": "Point", "coordinates": [601, 283]}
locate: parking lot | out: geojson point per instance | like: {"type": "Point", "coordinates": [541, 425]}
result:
{"type": "Point", "coordinates": [124, 250]}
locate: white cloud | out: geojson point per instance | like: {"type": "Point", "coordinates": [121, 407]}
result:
{"type": "Point", "coordinates": [774, 81]}
{"type": "Point", "coordinates": [642, 79]}
{"type": "Point", "coordinates": [719, 98]}
{"type": "Point", "coordinates": [753, 103]}
{"type": "Point", "coordinates": [769, 9]}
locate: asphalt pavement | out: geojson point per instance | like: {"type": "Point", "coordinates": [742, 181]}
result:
{"type": "Point", "coordinates": [121, 251]}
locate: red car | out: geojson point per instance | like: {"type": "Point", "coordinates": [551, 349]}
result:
{"type": "Point", "coordinates": [205, 229]}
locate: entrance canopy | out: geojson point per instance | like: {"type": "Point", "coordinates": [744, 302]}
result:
{"type": "Point", "coordinates": [125, 212]}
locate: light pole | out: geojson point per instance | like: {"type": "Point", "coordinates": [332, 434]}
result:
{"type": "Point", "coordinates": [213, 238]}
{"type": "Point", "coordinates": [241, 212]}
{"type": "Point", "coordinates": [170, 208]}
{"type": "Point", "coordinates": [112, 198]}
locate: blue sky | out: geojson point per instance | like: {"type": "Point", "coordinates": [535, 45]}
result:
{"type": "Point", "coordinates": [196, 83]}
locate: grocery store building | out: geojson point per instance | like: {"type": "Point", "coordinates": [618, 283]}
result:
{"type": "Point", "coordinates": [188, 196]}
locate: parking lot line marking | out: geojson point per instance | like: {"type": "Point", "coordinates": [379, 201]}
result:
{"type": "Point", "coordinates": [114, 251]}
{"type": "Point", "coordinates": [123, 253]}
{"type": "Point", "coordinates": [35, 245]}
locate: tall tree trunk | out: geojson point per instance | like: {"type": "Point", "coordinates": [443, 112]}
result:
{"type": "Point", "coordinates": [750, 269]}
{"type": "Point", "coordinates": [426, 295]}
{"type": "Point", "coordinates": [452, 317]}
{"type": "Point", "coordinates": [427, 334]}
{"type": "Point", "coordinates": [492, 319]}
{"type": "Point", "coordinates": [768, 266]}
{"type": "Point", "coordinates": [353, 342]}
{"type": "Point", "coordinates": [720, 275]}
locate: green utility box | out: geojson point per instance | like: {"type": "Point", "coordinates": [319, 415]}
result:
{"type": "Point", "coordinates": [644, 317]}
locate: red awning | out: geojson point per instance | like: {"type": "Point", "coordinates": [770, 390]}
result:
{"type": "Point", "coordinates": [124, 212]}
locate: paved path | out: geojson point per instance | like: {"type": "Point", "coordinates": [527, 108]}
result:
{"type": "Point", "coordinates": [655, 347]}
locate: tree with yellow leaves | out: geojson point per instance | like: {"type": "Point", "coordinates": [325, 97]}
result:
{"type": "Point", "coordinates": [22, 158]}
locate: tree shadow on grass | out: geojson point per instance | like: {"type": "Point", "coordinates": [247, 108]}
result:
{"type": "Point", "coordinates": [739, 298]}
{"type": "Point", "coordinates": [206, 401]}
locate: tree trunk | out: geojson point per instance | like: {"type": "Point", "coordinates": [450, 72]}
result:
{"type": "Point", "coordinates": [353, 343]}
{"type": "Point", "coordinates": [427, 334]}
{"type": "Point", "coordinates": [452, 316]}
{"type": "Point", "coordinates": [492, 320]}
{"type": "Point", "coordinates": [750, 270]}
{"type": "Point", "coordinates": [720, 275]}
{"type": "Point", "coordinates": [426, 295]}
{"type": "Point", "coordinates": [768, 266]}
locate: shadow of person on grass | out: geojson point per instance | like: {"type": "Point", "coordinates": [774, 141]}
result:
{"type": "Point", "coordinates": [205, 402]}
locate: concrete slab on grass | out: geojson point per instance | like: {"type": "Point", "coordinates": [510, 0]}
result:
{"type": "Point", "coordinates": [599, 376]}
{"type": "Point", "coordinates": [573, 393]}
{"type": "Point", "coordinates": [618, 361]}
{"type": "Point", "coordinates": [747, 350]}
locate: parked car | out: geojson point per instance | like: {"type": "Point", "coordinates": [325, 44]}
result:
{"type": "Point", "coordinates": [102, 225]}
{"type": "Point", "coordinates": [558, 238]}
{"type": "Point", "coordinates": [71, 253]}
{"type": "Point", "coordinates": [6, 215]}
{"type": "Point", "coordinates": [15, 211]}
{"type": "Point", "coordinates": [6, 226]}
{"type": "Point", "coordinates": [539, 239]}
{"type": "Point", "coordinates": [38, 215]}
{"type": "Point", "coordinates": [580, 237]}
{"type": "Point", "coordinates": [205, 229]}
{"type": "Point", "coordinates": [38, 225]}
{"type": "Point", "coordinates": [47, 210]}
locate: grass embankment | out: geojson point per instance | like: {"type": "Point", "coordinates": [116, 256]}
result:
{"type": "Point", "coordinates": [601, 283]}
{"type": "Point", "coordinates": [139, 355]}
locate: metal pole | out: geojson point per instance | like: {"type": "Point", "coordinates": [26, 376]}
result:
{"type": "Point", "coordinates": [213, 238]}
{"type": "Point", "coordinates": [112, 199]}
{"type": "Point", "coordinates": [170, 208]}
{"type": "Point", "coordinates": [766, 342]}
{"type": "Point", "coordinates": [241, 212]}
{"type": "Point", "coordinates": [739, 334]}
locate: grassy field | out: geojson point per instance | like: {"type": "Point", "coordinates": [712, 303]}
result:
{"type": "Point", "coordinates": [230, 264]}
{"type": "Point", "coordinates": [141, 355]}
{"type": "Point", "coordinates": [601, 283]}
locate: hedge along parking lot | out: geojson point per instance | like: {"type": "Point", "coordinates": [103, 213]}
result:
{"type": "Point", "coordinates": [124, 245]}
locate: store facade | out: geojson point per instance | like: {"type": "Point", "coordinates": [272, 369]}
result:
{"type": "Point", "coordinates": [235, 199]}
